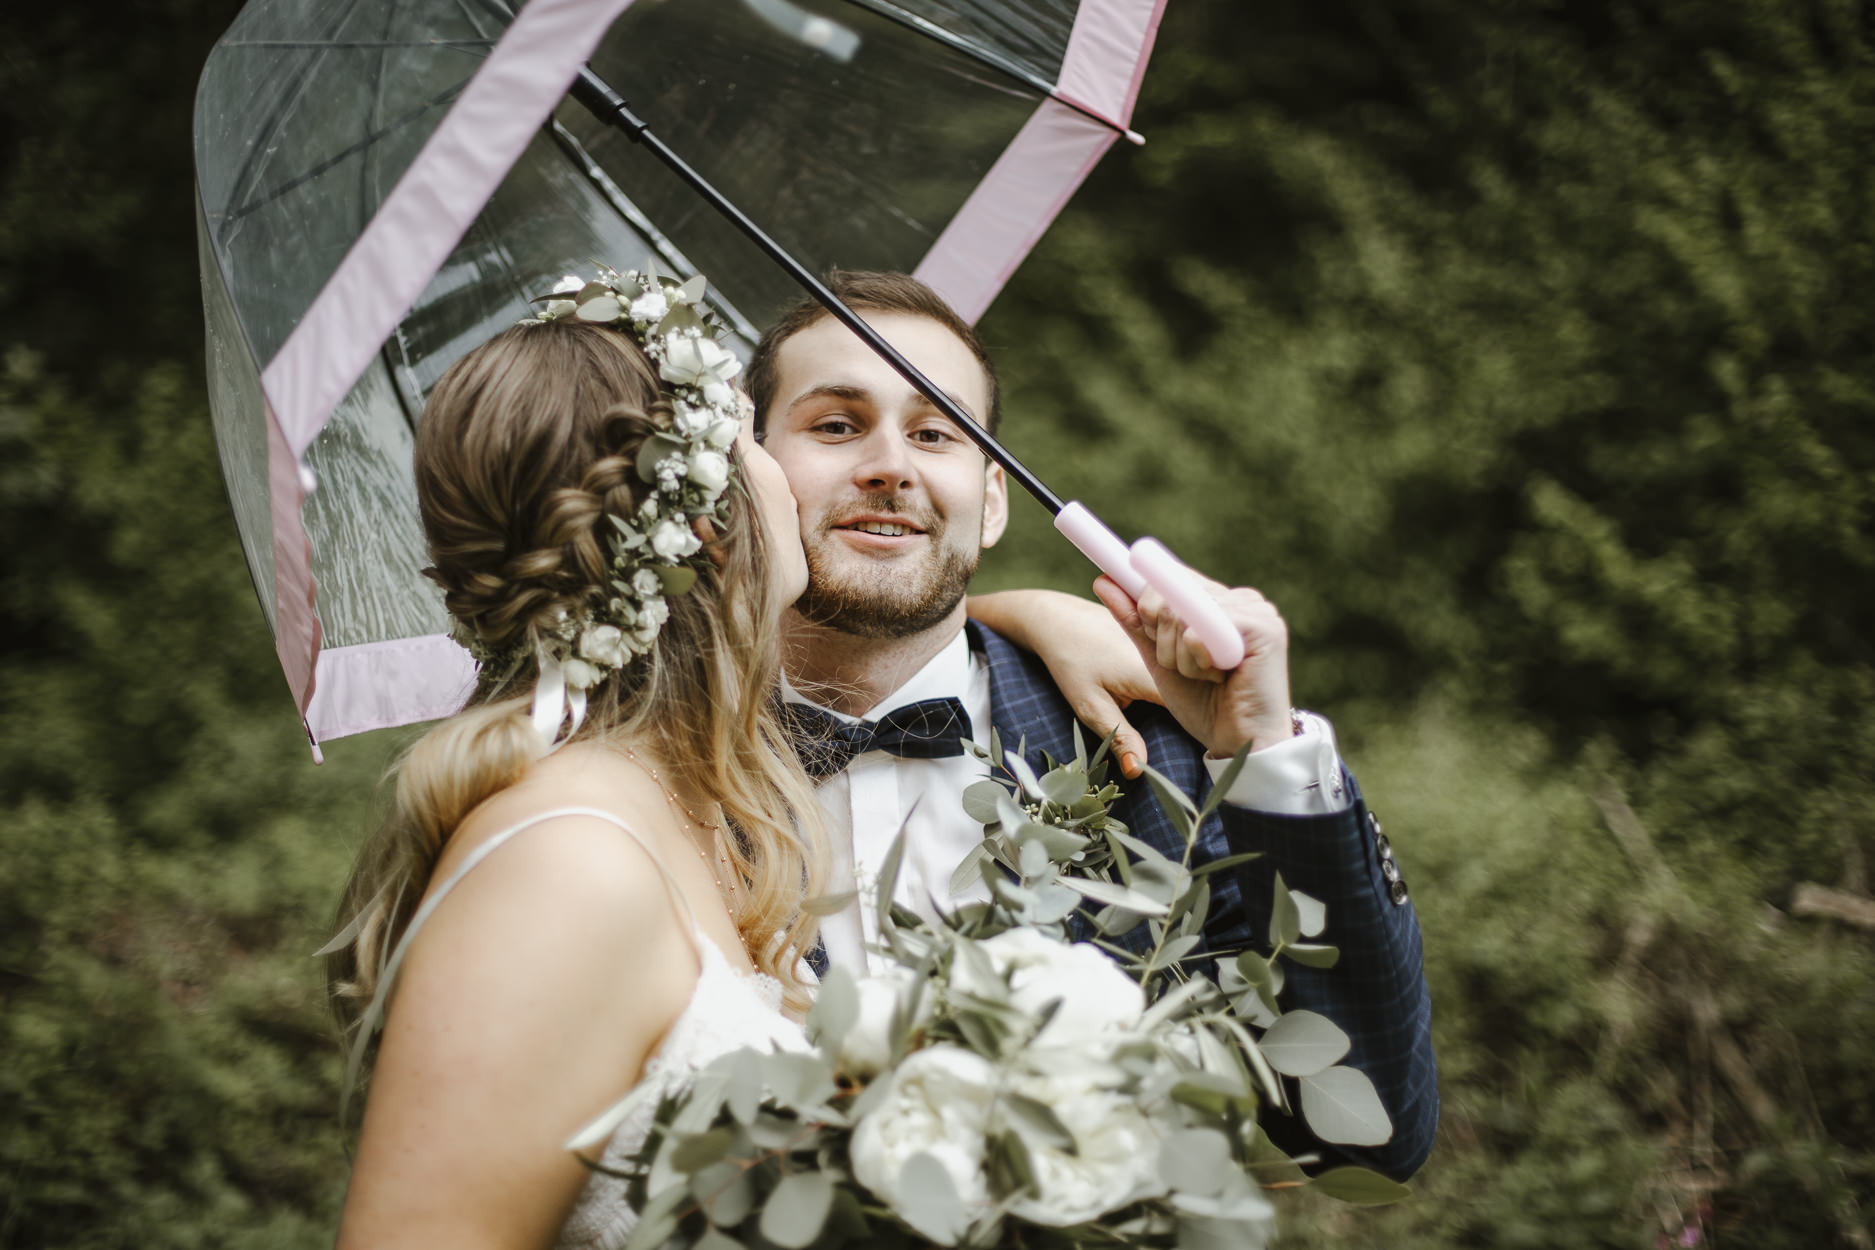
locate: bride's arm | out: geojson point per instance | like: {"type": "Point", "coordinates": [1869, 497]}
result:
{"type": "Point", "coordinates": [1093, 662]}
{"type": "Point", "coordinates": [517, 1019]}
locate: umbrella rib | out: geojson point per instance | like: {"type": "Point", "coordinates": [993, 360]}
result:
{"type": "Point", "coordinates": [667, 250]}
{"type": "Point", "coordinates": [271, 194]}
{"type": "Point", "coordinates": [610, 108]}
{"type": "Point", "coordinates": [988, 55]}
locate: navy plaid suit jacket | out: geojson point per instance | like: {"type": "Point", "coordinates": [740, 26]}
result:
{"type": "Point", "coordinates": [1376, 991]}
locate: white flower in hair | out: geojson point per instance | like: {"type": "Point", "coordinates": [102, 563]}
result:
{"type": "Point", "coordinates": [692, 360]}
{"type": "Point", "coordinates": [604, 645]}
{"type": "Point", "coordinates": [710, 470]}
{"type": "Point", "coordinates": [581, 675]}
{"type": "Point", "coordinates": [692, 420]}
{"type": "Point", "coordinates": [656, 612]}
{"type": "Point", "coordinates": [674, 540]}
{"type": "Point", "coordinates": [646, 584]}
{"type": "Point", "coordinates": [723, 434]}
{"type": "Point", "coordinates": [651, 306]}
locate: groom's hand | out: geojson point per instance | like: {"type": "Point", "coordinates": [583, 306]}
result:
{"type": "Point", "coordinates": [1223, 710]}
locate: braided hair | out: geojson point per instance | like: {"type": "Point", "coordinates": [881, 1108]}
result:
{"type": "Point", "coordinates": [527, 446]}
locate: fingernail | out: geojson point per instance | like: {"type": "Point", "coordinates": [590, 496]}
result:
{"type": "Point", "coordinates": [1129, 765]}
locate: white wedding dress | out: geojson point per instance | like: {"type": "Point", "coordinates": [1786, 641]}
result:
{"type": "Point", "coordinates": [728, 1010]}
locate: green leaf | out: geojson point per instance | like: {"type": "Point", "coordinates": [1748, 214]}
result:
{"type": "Point", "coordinates": [970, 871]}
{"type": "Point", "coordinates": [888, 878]}
{"type": "Point", "coordinates": [1062, 786]}
{"type": "Point", "coordinates": [980, 800]}
{"type": "Point", "coordinates": [1312, 955]}
{"type": "Point", "coordinates": [1008, 1162]}
{"type": "Point", "coordinates": [1360, 1186]}
{"type": "Point", "coordinates": [1302, 1043]}
{"type": "Point", "coordinates": [1223, 862]}
{"type": "Point", "coordinates": [676, 579]}
{"type": "Point", "coordinates": [699, 1150]}
{"type": "Point", "coordinates": [744, 1092]}
{"type": "Point", "coordinates": [1249, 1051]}
{"type": "Point", "coordinates": [1038, 1120]}
{"type": "Point", "coordinates": [929, 1202]}
{"type": "Point", "coordinates": [799, 1080]}
{"type": "Point", "coordinates": [797, 1209]}
{"type": "Point", "coordinates": [1115, 896]}
{"type": "Point", "coordinates": [1341, 1106]}
{"type": "Point", "coordinates": [726, 1191]}
{"type": "Point", "coordinates": [1197, 1160]}
{"type": "Point", "coordinates": [835, 1009]}
{"type": "Point", "coordinates": [658, 1220]}
{"type": "Point", "coordinates": [1313, 913]}
{"type": "Point", "coordinates": [829, 904]}
{"type": "Point", "coordinates": [1285, 918]}
{"type": "Point", "coordinates": [1225, 780]}
{"type": "Point", "coordinates": [1024, 775]}
{"type": "Point", "coordinates": [654, 449]}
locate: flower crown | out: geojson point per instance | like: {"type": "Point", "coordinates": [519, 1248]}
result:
{"type": "Point", "coordinates": [687, 465]}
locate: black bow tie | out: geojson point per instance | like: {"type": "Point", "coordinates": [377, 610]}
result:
{"type": "Point", "coordinates": [933, 729]}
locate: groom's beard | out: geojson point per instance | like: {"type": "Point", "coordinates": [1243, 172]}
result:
{"type": "Point", "coordinates": [885, 599]}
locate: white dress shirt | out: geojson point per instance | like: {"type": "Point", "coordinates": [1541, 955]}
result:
{"type": "Point", "coordinates": [865, 804]}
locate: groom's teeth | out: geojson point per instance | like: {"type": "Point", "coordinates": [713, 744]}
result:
{"type": "Point", "coordinates": [876, 527]}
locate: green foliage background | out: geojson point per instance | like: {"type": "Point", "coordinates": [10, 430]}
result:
{"type": "Point", "coordinates": [1521, 351]}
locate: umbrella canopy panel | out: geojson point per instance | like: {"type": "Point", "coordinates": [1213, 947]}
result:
{"type": "Point", "coordinates": [926, 136]}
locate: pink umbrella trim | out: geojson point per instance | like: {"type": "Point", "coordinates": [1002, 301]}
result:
{"type": "Point", "coordinates": [398, 253]}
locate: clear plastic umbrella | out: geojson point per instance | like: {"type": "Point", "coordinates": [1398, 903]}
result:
{"type": "Point", "coordinates": [382, 186]}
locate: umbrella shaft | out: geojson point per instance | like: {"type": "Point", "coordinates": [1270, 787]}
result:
{"type": "Point", "coordinates": [609, 107]}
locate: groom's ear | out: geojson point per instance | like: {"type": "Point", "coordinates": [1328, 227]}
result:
{"type": "Point", "coordinates": [995, 504]}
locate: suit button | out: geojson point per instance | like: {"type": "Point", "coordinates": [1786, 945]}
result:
{"type": "Point", "coordinates": [1373, 824]}
{"type": "Point", "coordinates": [1383, 846]}
{"type": "Point", "coordinates": [1389, 870]}
{"type": "Point", "coordinates": [1397, 891]}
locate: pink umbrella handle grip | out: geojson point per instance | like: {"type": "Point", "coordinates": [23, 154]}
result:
{"type": "Point", "coordinates": [1149, 563]}
{"type": "Point", "coordinates": [1099, 544]}
{"type": "Point", "coordinates": [1193, 603]}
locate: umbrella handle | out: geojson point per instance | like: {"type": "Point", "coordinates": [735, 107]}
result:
{"type": "Point", "coordinates": [1148, 563]}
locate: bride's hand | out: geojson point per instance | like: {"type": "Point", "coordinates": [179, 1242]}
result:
{"type": "Point", "coordinates": [1092, 661]}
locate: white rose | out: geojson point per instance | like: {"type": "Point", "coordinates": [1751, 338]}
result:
{"type": "Point", "coordinates": [692, 360]}
{"type": "Point", "coordinates": [555, 308]}
{"type": "Point", "coordinates": [604, 645]}
{"type": "Point", "coordinates": [866, 1049]}
{"type": "Point", "coordinates": [656, 612]}
{"type": "Point", "coordinates": [1096, 994]}
{"type": "Point", "coordinates": [936, 1102]}
{"type": "Point", "coordinates": [651, 306]}
{"type": "Point", "coordinates": [719, 394]}
{"type": "Point", "coordinates": [710, 470]}
{"type": "Point", "coordinates": [645, 583]}
{"type": "Point", "coordinates": [581, 675]}
{"type": "Point", "coordinates": [723, 433]}
{"type": "Point", "coordinates": [691, 420]}
{"type": "Point", "coordinates": [674, 540]}
{"type": "Point", "coordinates": [572, 282]}
{"type": "Point", "coordinates": [1115, 1160]}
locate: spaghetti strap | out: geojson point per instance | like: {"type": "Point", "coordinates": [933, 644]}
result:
{"type": "Point", "coordinates": [489, 847]}
{"type": "Point", "coordinates": [373, 1017]}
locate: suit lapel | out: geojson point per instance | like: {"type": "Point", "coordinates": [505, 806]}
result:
{"type": "Point", "coordinates": [1025, 707]}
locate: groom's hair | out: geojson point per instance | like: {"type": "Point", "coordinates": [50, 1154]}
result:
{"type": "Point", "coordinates": [866, 291]}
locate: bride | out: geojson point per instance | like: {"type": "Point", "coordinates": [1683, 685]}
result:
{"type": "Point", "coordinates": [616, 551]}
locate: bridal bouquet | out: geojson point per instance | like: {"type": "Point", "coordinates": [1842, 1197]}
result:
{"type": "Point", "coordinates": [1002, 1086]}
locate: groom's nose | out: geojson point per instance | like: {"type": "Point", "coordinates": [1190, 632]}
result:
{"type": "Point", "coordinates": [884, 463]}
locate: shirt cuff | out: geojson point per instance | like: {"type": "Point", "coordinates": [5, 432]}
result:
{"type": "Point", "coordinates": [1297, 777]}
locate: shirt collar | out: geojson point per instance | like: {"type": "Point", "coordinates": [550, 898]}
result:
{"type": "Point", "coordinates": [945, 675]}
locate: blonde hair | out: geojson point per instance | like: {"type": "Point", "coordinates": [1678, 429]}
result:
{"type": "Point", "coordinates": [527, 445]}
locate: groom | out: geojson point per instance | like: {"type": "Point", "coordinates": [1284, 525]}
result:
{"type": "Point", "coordinates": [896, 506]}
